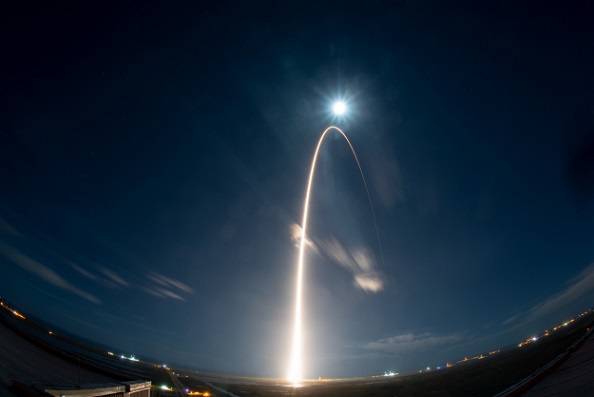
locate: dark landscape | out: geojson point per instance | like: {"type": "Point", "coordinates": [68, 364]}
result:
{"type": "Point", "coordinates": [33, 355]}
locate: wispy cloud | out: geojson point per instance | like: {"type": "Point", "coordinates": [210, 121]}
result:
{"type": "Point", "coordinates": [114, 277]}
{"type": "Point", "coordinates": [511, 319]}
{"type": "Point", "coordinates": [295, 231]}
{"type": "Point", "coordinates": [163, 293]}
{"type": "Point", "coordinates": [83, 271]}
{"type": "Point", "coordinates": [44, 272]}
{"type": "Point", "coordinates": [578, 287]}
{"type": "Point", "coordinates": [411, 343]}
{"type": "Point", "coordinates": [106, 277]}
{"type": "Point", "coordinates": [170, 294]}
{"type": "Point", "coordinates": [358, 262]}
{"type": "Point", "coordinates": [170, 282]}
{"type": "Point", "coordinates": [163, 286]}
{"type": "Point", "coordinates": [8, 228]}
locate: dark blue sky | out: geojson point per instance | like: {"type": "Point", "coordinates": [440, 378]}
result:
{"type": "Point", "coordinates": [153, 162]}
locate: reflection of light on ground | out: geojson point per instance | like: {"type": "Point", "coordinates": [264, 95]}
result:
{"type": "Point", "coordinates": [294, 385]}
{"type": "Point", "coordinates": [198, 393]}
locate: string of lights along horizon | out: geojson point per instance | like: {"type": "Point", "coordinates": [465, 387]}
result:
{"type": "Point", "coordinates": [296, 370]}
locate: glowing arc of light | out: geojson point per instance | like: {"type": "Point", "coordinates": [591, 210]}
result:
{"type": "Point", "coordinates": [295, 371]}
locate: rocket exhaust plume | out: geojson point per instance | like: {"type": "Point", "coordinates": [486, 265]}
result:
{"type": "Point", "coordinates": [295, 370]}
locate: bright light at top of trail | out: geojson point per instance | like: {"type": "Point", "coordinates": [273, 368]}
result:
{"type": "Point", "coordinates": [339, 108]}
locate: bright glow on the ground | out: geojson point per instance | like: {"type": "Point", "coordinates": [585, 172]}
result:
{"type": "Point", "coordinates": [339, 108]}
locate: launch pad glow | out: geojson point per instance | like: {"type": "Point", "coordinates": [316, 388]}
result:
{"type": "Point", "coordinates": [296, 370]}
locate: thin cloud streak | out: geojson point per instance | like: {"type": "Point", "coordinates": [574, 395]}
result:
{"type": "Point", "coordinates": [579, 286]}
{"type": "Point", "coordinates": [116, 278]}
{"type": "Point", "coordinates": [162, 287]}
{"type": "Point", "coordinates": [163, 293]}
{"type": "Point", "coordinates": [411, 343]}
{"type": "Point", "coordinates": [45, 273]}
{"type": "Point", "coordinates": [511, 319]}
{"type": "Point", "coordinates": [8, 228]}
{"type": "Point", "coordinates": [170, 282]}
{"type": "Point", "coordinates": [171, 294]}
{"type": "Point", "coordinates": [84, 272]}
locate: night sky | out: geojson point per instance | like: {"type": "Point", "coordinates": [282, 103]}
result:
{"type": "Point", "coordinates": [154, 159]}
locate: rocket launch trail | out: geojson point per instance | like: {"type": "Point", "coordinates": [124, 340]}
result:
{"type": "Point", "coordinates": [296, 370]}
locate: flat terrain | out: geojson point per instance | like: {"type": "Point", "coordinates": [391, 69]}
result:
{"type": "Point", "coordinates": [575, 377]}
{"type": "Point", "coordinates": [486, 377]}
{"type": "Point", "coordinates": [31, 360]}
{"type": "Point", "coordinates": [28, 363]}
